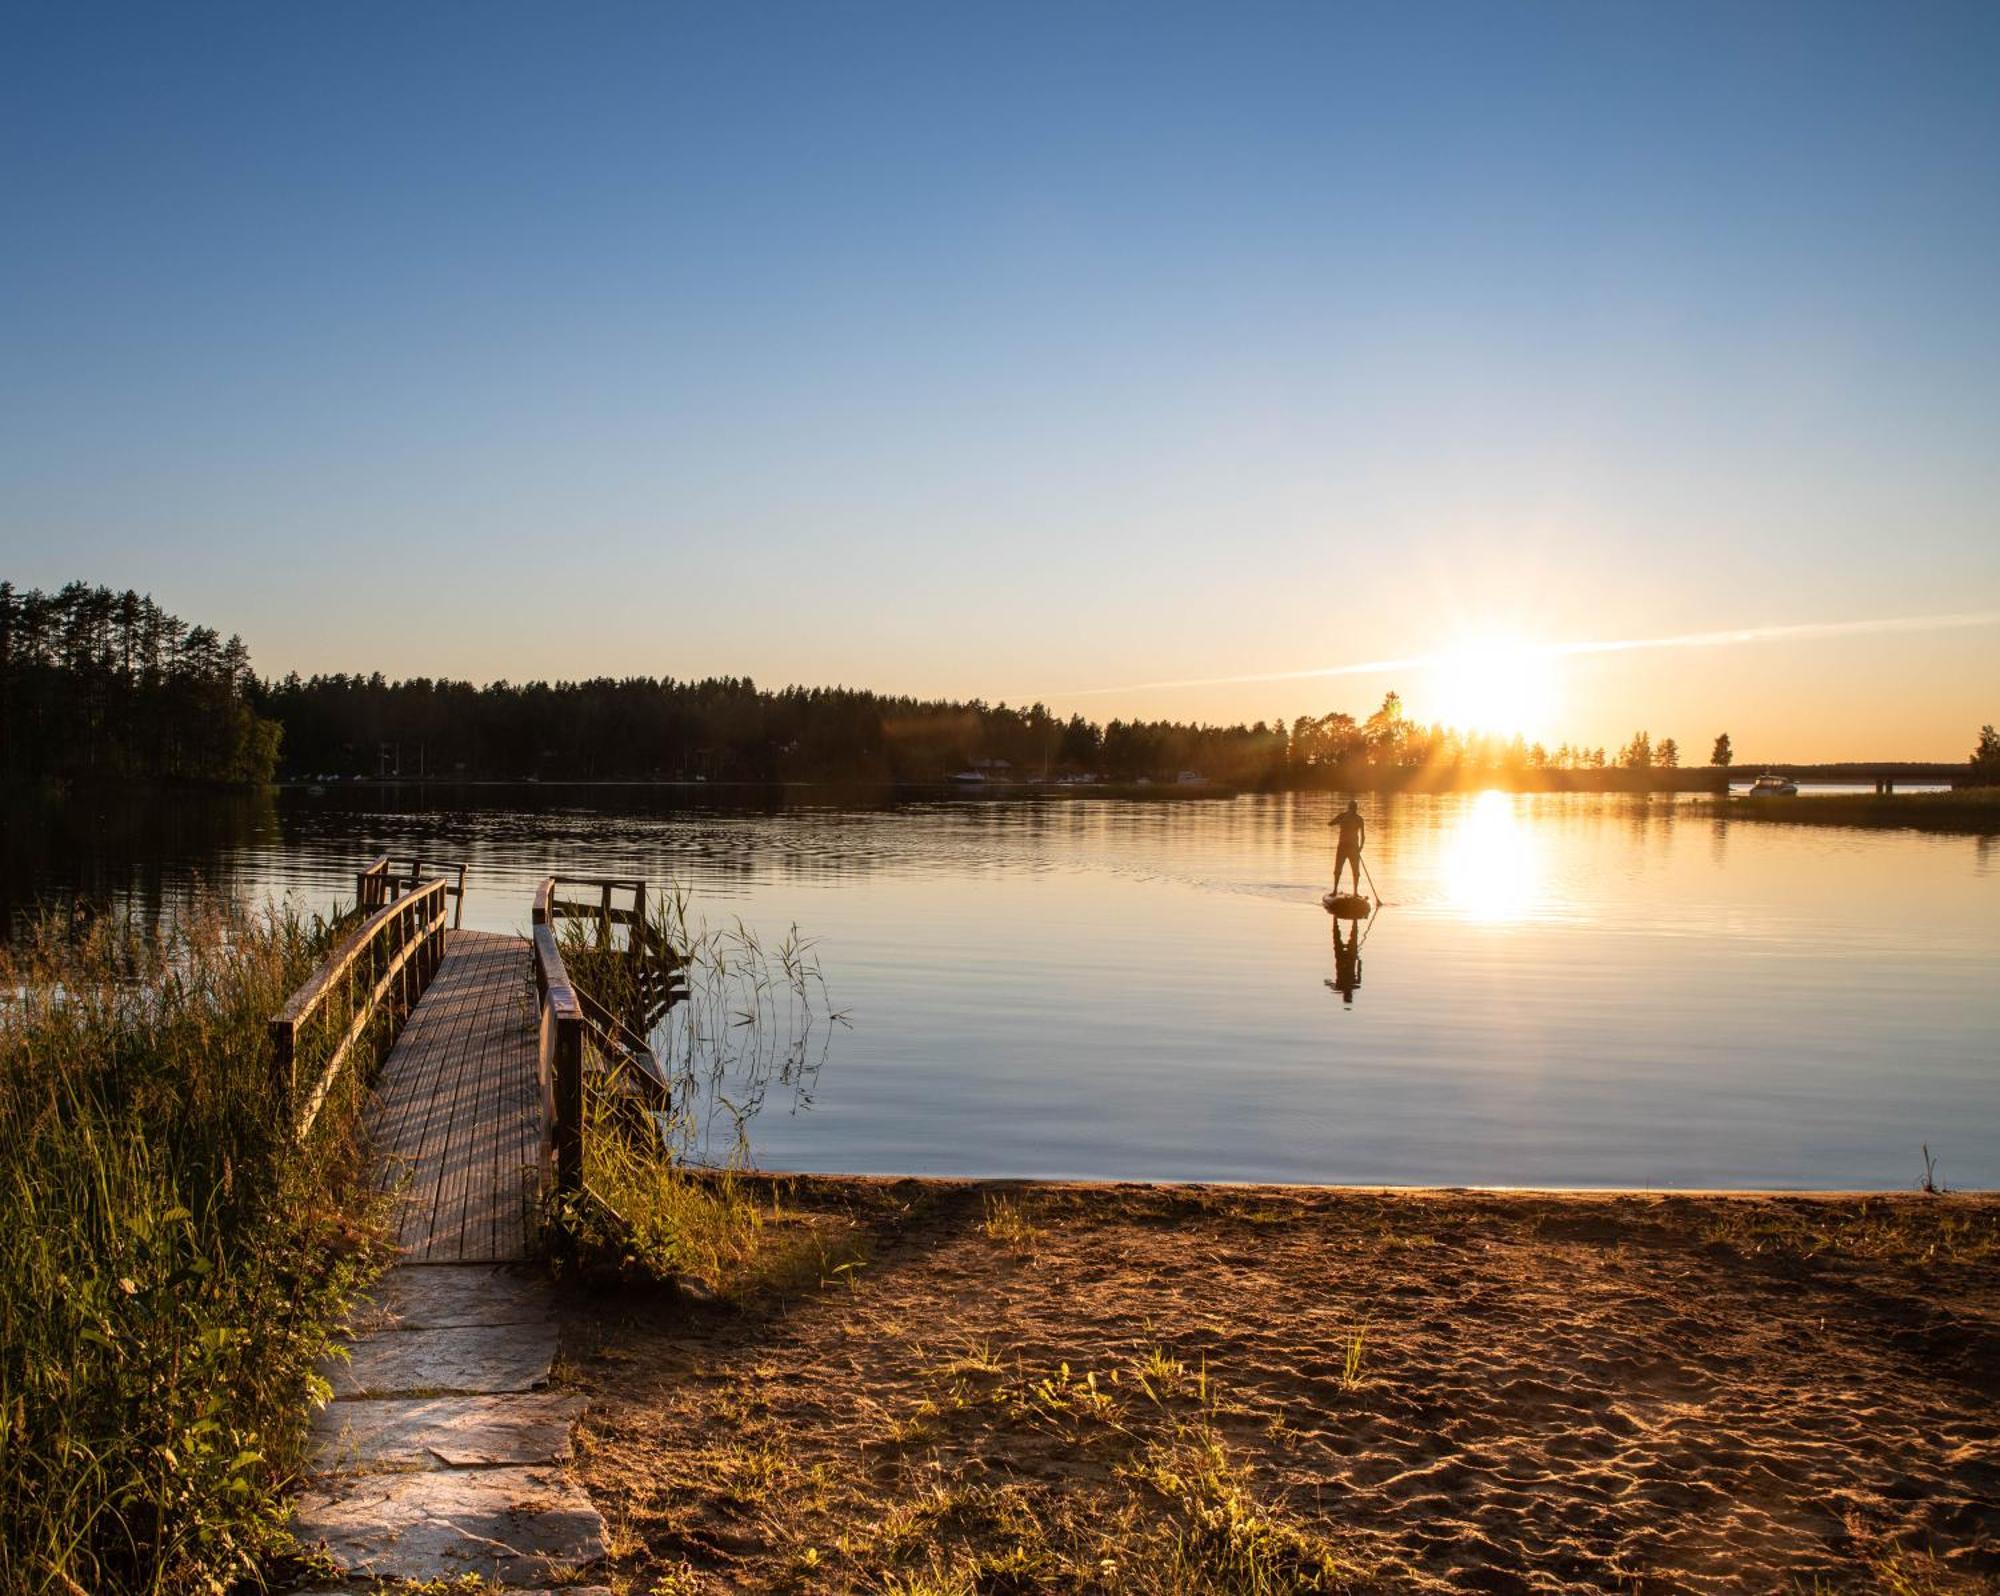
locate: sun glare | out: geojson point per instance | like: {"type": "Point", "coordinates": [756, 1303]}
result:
{"type": "Point", "coordinates": [1492, 863]}
{"type": "Point", "coordinates": [1495, 686]}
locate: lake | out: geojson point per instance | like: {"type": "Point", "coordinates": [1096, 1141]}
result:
{"type": "Point", "coordinates": [1561, 990]}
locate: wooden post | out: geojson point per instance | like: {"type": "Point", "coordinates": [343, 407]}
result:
{"type": "Point", "coordinates": [569, 1103]}
{"type": "Point", "coordinates": [561, 1058]}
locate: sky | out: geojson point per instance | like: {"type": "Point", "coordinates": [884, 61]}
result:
{"type": "Point", "coordinates": [1034, 351]}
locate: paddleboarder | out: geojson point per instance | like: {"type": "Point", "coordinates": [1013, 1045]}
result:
{"type": "Point", "coordinates": [1353, 833]}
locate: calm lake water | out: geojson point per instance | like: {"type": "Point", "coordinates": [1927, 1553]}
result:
{"type": "Point", "coordinates": [1562, 990]}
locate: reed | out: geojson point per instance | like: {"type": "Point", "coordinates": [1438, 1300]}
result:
{"type": "Point", "coordinates": [746, 1018]}
{"type": "Point", "coordinates": [171, 1265]}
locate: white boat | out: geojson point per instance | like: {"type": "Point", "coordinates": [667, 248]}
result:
{"type": "Point", "coordinates": [1772, 787]}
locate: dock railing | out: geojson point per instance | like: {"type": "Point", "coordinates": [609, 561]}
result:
{"type": "Point", "coordinates": [388, 879]}
{"type": "Point", "coordinates": [601, 900]}
{"type": "Point", "coordinates": [373, 977]}
{"type": "Point", "coordinates": [577, 1031]}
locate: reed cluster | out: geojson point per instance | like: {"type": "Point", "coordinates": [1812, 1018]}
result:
{"type": "Point", "coordinates": [730, 1020]}
{"type": "Point", "coordinates": [171, 1264]}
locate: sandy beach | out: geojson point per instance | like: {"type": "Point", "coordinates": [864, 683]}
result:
{"type": "Point", "coordinates": [1101, 1388]}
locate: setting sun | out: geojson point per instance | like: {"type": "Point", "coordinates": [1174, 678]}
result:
{"type": "Point", "coordinates": [1496, 686]}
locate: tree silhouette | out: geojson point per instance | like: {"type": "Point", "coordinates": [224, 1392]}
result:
{"type": "Point", "coordinates": [104, 686]}
{"type": "Point", "coordinates": [1986, 757]}
{"type": "Point", "coordinates": [1722, 752]}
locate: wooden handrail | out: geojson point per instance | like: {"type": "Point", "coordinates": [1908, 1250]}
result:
{"type": "Point", "coordinates": [569, 1015]}
{"type": "Point", "coordinates": [395, 951]}
{"type": "Point", "coordinates": [627, 1048]}
{"type": "Point", "coordinates": [603, 911]}
{"type": "Point", "coordinates": [560, 1055]}
{"type": "Point", "coordinates": [383, 881]}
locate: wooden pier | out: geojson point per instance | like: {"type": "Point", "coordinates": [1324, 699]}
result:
{"type": "Point", "coordinates": [457, 1120]}
{"type": "Point", "coordinates": [444, 1454]}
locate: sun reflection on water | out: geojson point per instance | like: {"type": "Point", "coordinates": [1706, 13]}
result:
{"type": "Point", "coordinates": [1492, 867]}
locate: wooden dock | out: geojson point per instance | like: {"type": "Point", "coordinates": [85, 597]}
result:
{"type": "Point", "coordinates": [457, 1125]}
{"type": "Point", "coordinates": [444, 1454]}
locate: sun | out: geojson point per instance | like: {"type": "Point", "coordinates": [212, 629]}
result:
{"type": "Point", "coordinates": [1494, 686]}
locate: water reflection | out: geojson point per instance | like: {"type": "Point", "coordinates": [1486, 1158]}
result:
{"type": "Point", "coordinates": [1492, 866]}
{"type": "Point", "coordinates": [1347, 944]}
{"type": "Point", "coordinates": [134, 857]}
{"type": "Point", "coordinates": [1581, 990]}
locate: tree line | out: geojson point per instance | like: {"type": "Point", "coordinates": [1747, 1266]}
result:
{"type": "Point", "coordinates": [729, 729]}
{"type": "Point", "coordinates": [97, 684]}
{"type": "Point", "coordinates": [103, 686]}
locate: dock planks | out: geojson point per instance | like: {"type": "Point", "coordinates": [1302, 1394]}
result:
{"type": "Point", "coordinates": [457, 1123]}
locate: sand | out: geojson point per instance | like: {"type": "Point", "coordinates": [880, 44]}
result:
{"type": "Point", "coordinates": [1055, 1387]}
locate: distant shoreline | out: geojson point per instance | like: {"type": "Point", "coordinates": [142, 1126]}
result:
{"type": "Point", "coordinates": [1581, 781]}
{"type": "Point", "coordinates": [1968, 809]}
{"type": "Point", "coordinates": [1697, 780]}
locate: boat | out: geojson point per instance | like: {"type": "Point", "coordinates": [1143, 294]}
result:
{"type": "Point", "coordinates": [1768, 786]}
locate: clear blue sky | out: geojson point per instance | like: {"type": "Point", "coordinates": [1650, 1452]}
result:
{"type": "Point", "coordinates": [1014, 350]}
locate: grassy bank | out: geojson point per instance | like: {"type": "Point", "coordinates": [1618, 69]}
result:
{"type": "Point", "coordinates": [170, 1265]}
{"type": "Point", "coordinates": [1971, 809]}
{"type": "Point", "coordinates": [1180, 1391]}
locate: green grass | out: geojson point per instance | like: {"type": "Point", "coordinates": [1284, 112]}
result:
{"type": "Point", "coordinates": [170, 1266]}
{"type": "Point", "coordinates": [648, 1217]}
{"type": "Point", "coordinates": [1008, 1222]}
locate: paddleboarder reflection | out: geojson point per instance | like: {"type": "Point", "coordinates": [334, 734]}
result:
{"type": "Point", "coordinates": [1346, 961]}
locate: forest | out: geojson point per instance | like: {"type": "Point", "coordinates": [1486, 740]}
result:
{"type": "Point", "coordinates": [99, 685]}
{"type": "Point", "coordinates": [729, 729]}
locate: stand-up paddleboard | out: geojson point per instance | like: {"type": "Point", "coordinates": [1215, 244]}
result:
{"type": "Point", "coordinates": [1346, 905]}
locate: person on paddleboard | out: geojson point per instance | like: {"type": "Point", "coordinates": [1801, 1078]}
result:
{"type": "Point", "coordinates": [1353, 833]}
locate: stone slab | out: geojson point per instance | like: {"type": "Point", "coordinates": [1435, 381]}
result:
{"type": "Point", "coordinates": [513, 1526]}
{"type": "Point", "coordinates": [464, 1360]}
{"type": "Point", "coordinates": [450, 1296]}
{"type": "Point", "coordinates": [454, 1432]}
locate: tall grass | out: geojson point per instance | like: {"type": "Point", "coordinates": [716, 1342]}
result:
{"type": "Point", "coordinates": [750, 1021]}
{"type": "Point", "coordinates": [170, 1264]}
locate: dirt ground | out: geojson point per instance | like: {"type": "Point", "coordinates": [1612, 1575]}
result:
{"type": "Point", "coordinates": [1073, 1388]}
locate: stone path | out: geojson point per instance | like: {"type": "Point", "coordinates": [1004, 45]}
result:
{"type": "Point", "coordinates": [443, 1452]}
